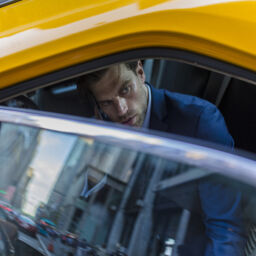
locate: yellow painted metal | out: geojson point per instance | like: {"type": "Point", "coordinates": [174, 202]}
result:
{"type": "Point", "coordinates": [40, 36]}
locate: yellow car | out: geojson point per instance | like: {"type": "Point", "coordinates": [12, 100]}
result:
{"type": "Point", "coordinates": [38, 37]}
{"type": "Point", "coordinates": [124, 190]}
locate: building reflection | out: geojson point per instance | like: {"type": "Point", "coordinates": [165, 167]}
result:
{"type": "Point", "coordinates": [104, 194]}
{"type": "Point", "coordinates": [90, 216]}
{"type": "Point", "coordinates": [115, 213]}
{"type": "Point", "coordinates": [17, 149]}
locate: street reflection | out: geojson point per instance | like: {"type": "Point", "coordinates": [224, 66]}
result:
{"type": "Point", "coordinates": [63, 194]}
{"type": "Point", "coordinates": [60, 191]}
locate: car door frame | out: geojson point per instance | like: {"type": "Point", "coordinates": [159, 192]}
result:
{"type": "Point", "coordinates": [65, 74]}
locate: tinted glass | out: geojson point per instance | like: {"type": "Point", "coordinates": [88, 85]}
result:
{"type": "Point", "coordinates": [85, 195]}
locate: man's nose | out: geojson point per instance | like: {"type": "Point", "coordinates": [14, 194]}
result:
{"type": "Point", "coordinates": [121, 106]}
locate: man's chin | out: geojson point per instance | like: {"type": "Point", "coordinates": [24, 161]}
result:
{"type": "Point", "coordinates": [138, 123]}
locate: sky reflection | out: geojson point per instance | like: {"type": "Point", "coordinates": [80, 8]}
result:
{"type": "Point", "coordinates": [52, 151]}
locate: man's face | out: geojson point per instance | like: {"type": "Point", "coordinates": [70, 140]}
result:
{"type": "Point", "coordinates": [122, 94]}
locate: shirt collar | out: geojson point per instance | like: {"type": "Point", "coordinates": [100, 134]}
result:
{"type": "Point", "coordinates": [147, 116]}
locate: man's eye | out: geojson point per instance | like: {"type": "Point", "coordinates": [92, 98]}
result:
{"type": "Point", "coordinates": [125, 90]}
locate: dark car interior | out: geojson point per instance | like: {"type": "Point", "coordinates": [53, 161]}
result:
{"type": "Point", "coordinates": [234, 97]}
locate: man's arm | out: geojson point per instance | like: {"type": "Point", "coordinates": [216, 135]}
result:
{"type": "Point", "coordinates": [211, 127]}
{"type": "Point", "coordinates": [221, 205]}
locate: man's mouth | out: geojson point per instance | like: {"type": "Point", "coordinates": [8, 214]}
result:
{"type": "Point", "coordinates": [130, 121]}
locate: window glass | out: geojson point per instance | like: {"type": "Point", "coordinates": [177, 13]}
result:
{"type": "Point", "coordinates": [92, 181]}
{"type": "Point", "coordinates": [2, 215]}
{"type": "Point", "coordinates": [114, 199]}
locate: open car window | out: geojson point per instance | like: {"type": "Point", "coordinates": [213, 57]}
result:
{"type": "Point", "coordinates": [232, 96]}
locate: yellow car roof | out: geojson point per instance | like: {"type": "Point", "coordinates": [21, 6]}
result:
{"type": "Point", "coordinates": [40, 36]}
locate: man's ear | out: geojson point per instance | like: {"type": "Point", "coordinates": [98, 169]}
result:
{"type": "Point", "coordinates": [140, 72]}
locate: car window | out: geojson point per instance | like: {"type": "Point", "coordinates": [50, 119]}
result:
{"type": "Point", "coordinates": [116, 191]}
{"type": "Point", "coordinates": [232, 96]}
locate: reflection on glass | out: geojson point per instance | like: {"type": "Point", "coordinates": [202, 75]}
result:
{"type": "Point", "coordinates": [72, 195]}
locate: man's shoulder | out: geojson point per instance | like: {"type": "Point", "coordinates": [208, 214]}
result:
{"type": "Point", "coordinates": [173, 104]}
{"type": "Point", "coordinates": [179, 112]}
{"type": "Point", "coordinates": [197, 118]}
{"type": "Point", "coordinates": [190, 103]}
{"type": "Point", "coordinates": [187, 108]}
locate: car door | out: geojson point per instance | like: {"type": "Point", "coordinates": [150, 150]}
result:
{"type": "Point", "coordinates": [115, 190]}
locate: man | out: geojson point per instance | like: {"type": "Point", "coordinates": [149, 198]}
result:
{"type": "Point", "coordinates": [121, 95]}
